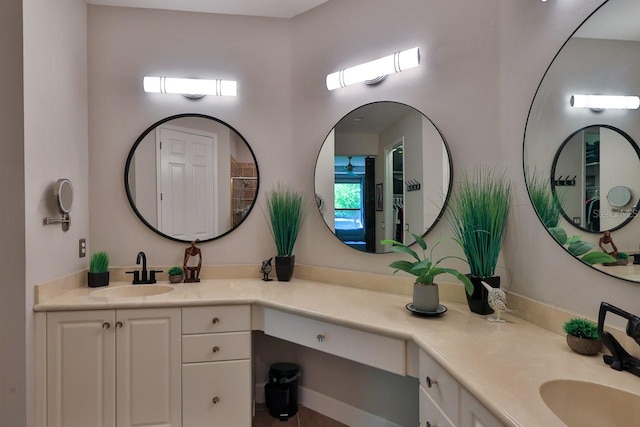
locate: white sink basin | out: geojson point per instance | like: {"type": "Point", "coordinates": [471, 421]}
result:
{"type": "Point", "coordinates": [582, 403]}
{"type": "Point", "coordinates": [131, 291]}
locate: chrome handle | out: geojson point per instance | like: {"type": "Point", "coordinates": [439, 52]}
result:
{"type": "Point", "coordinates": [118, 325]}
{"type": "Point", "coordinates": [106, 325]}
{"type": "Point", "coordinates": [215, 349]}
{"type": "Point", "coordinates": [215, 400]}
{"type": "Point", "coordinates": [215, 320]}
{"type": "Point", "coordinates": [431, 382]}
{"type": "Point", "coordinates": [320, 337]}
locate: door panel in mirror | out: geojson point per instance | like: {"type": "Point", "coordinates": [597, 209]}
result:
{"type": "Point", "coordinates": [191, 177]}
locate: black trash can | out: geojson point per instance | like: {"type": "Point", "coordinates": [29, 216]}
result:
{"type": "Point", "coordinates": [281, 391]}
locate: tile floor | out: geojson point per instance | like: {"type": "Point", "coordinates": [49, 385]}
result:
{"type": "Point", "coordinates": [304, 418]}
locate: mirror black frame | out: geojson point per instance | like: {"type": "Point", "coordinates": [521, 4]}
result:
{"type": "Point", "coordinates": [445, 202]}
{"type": "Point", "coordinates": [144, 135]}
{"type": "Point", "coordinates": [553, 174]}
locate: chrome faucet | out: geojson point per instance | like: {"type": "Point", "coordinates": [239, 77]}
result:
{"type": "Point", "coordinates": [148, 277]}
{"type": "Point", "coordinates": [619, 359]}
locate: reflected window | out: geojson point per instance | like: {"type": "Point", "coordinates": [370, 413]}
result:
{"type": "Point", "coordinates": [349, 208]}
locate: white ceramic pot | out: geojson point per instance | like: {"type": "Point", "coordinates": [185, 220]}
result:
{"type": "Point", "coordinates": [426, 297]}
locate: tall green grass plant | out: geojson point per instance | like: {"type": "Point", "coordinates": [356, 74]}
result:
{"type": "Point", "coordinates": [547, 203]}
{"type": "Point", "coordinates": [287, 210]}
{"type": "Point", "coordinates": [99, 262]}
{"type": "Point", "coordinates": [478, 217]}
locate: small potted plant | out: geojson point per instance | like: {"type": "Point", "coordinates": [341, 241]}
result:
{"type": "Point", "coordinates": [425, 291]}
{"type": "Point", "coordinates": [98, 274]}
{"type": "Point", "coordinates": [175, 274]}
{"type": "Point", "coordinates": [582, 336]}
{"type": "Point", "coordinates": [287, 210]}
{"type": "Point", "coordinates": [478, 218]}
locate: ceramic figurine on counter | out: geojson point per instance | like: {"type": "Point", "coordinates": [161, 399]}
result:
{"type": "Point", "coordinates": [497, 300]}
{"type": "Point", "coordinates": [607, 240]}
{"type": "Point", "coordinates": [266, 269]}
{"type": "Point", "coordinates": [191, 272]}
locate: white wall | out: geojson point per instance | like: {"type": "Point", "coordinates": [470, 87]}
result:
{"type": "Point", "coordinates": [13, 398]}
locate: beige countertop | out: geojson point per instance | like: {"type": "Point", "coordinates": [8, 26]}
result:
{"type": "Point", "coordinates": [501, 364]}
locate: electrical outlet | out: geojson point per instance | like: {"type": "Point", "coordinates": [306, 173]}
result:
{"type": "Point", "coordinates": [82, 248]}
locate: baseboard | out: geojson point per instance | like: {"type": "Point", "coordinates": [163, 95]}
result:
{"type": "Point", "coordinates": [339, 411]}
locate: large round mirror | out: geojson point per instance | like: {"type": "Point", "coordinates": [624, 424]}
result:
{"type": "Point", "coordinates": [596, 178]}
{"type": "Point", "coordinates": [383, 172]}
{"type": "Point", "coordinates": [586, 153]}
{"type": "Point", "coordinates": [191, 177]}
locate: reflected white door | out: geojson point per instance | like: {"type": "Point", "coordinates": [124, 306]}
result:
{"type": "Point", "coordinates": [186, 190]}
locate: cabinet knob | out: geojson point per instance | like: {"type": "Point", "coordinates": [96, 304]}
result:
{"type": "Point", "coordinates": [106, 325]}
{"type": "Point", "coordinates": [215, 400]}
{"type": "Point", "coordinates": [428, 424]}
{"type": "Point", "coordinates": [118, 325]}
{"type": "Point", "coordinates": [215, 320]}
{"type": "Point", "coordinates": [215, 349]}
{"type": "Point", "coordinates": [320, 337]}
{"type": "Point", "coordinates": [431, 382]}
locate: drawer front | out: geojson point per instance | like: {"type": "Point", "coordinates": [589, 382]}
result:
{"type": "Point", "coordinates": [444, 388]}
{"type": "Point", "coordinates": [474, 414]}
{"type": "Point", "coordinates": [430, 414]}
{"type": "Point", "coordinates": [364, 347]}
{"type": "Point", "coordinates": [216, 394]}
{"type": "Point", "coordinates": [213, 347]}
{"type": "Point", "coordinates": [225, 318]}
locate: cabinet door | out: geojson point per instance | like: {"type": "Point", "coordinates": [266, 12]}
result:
{"type": "Point", "coordinates": [148, 367]}
{"type": "Point", "coordinates": [430, 414]}
{"type": "Point", "coordinates": [217, 394]}
{"type": "Point", "coordinates": [81, 368]}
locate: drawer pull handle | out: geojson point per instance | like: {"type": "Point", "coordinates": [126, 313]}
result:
{"type": "Point", "coordinates": [215, 320]}
{"type": "Point", "coordinates": [431, 382]}
{"type": "Point", "coordinates": [428, 424]}
{"type": "Point", "coordinates": [118, 325]}
{"type": "Point", "coordinates": [215, 349]}
{"type": "Point", "coordinates": [215, 400]}
{"type": "Point", "coordinates": [320, 337]}
{"type": "Point", "coordinates": [106, 325]}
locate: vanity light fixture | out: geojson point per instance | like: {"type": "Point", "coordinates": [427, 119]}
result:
{"type": "Point", "coordinates": [602, 102]}
{"type": "Point", "coordinates": [374, 71]}
{"type": "Point", "coordinates": [191, 88]}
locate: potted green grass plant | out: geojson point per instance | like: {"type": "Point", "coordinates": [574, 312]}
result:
{"type": "Point", "coordinates": [175, 274]}
{"type": "Point", "coordinates": [98, 274]}
{"type": "Point", "coordinates": [547, 203]}
{"type": "Point", "coordinates": [425, 291]}
{"type": "Point", "coordinates": [287, 210]}
{"type": "Point", "coordinates": [478, 218]}
{"type": "Point", "coordinates": [582, 336]}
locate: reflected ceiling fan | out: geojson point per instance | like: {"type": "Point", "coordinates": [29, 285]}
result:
{"type": "Point", "coordinates": [348, 168]}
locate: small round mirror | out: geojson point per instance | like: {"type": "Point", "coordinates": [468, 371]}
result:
{"type": "Point", "coordinates": [619, 196]}
{"type": "Point", "coordinates": [63, 191]}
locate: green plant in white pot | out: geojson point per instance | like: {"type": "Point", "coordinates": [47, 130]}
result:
{"type": "Point", "coordinates": [478, 217]}
{"type": "Point", "coordinates": [287, 210]}
{"type": "Point", "coordinates": [425, 291]}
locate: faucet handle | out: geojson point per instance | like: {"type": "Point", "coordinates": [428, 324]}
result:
{"type": "Point", "coordinates": [136, 276]}
{"type": "Point", "coordinates": [152, 278]}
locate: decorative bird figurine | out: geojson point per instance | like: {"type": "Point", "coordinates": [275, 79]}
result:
{"type": "Point", "coordinates": [497, 300]}
{"type": "Point", "coordinates": [266, 269]}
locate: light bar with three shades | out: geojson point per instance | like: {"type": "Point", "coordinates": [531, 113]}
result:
{"type": "Point", "coordinates": [374, 71]}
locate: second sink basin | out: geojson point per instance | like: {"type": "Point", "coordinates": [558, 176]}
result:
{"type": "Point", "coordinates": [132, 291]}
{"type": "Point", "coordinates": [582, 403]}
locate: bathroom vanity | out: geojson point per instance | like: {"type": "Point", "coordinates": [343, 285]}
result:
{"type": "Point", "coordinates": [192, 347]}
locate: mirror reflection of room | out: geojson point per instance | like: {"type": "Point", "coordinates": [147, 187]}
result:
{"type": "Point", "coordinates": [383, 171]}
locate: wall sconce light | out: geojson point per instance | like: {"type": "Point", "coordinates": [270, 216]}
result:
{"type": "Point", "coordinates": [374, 71]}
{"type": "Point", "coordinates": [191, 88]}
{"type": "Point", "coordinates": [601, 102]}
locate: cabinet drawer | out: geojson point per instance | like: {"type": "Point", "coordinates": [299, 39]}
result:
{"type": "Point", "coordinates": [364, 347]}
{"type": "Point", "coordinates": [430, 414]}
{"type": "Point", "coordinates": [216, 394]}
{"type": "Point", "coordinates": [212, 347]}
{"type": "Point", "coordinates": [225, 318]}
{"type": "Point", "coordinates": [474, 414]}
{"type": "Point", "coordinates": [444, 388]}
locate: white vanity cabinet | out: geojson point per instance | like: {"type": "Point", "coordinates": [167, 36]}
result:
{"type": "Point", "coordinates": [444, 402]}
{"type": "Point", "coordinates": [216, 366]}
{"type": "Point", "coordinates": [111, 368]}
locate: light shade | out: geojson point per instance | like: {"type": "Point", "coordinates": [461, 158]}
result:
{"type": "Point", "coordinates": [601, 102]}
{"type": "Point", "coordinates": [190, 87]}
{"type": "Point", "coordinates": [375, 69]}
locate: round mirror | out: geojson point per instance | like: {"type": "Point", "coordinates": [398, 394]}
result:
{"type": "Point", "coordinates": [590, 164]}
{"type": "Point", "coordinates": [601, 58]}
{"type": "Point", "coordinates": [383, 172]}
{"type": "Point", "coordinates": [63, 192]}
{"type": "Point", "coordinates": [191, 177]}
